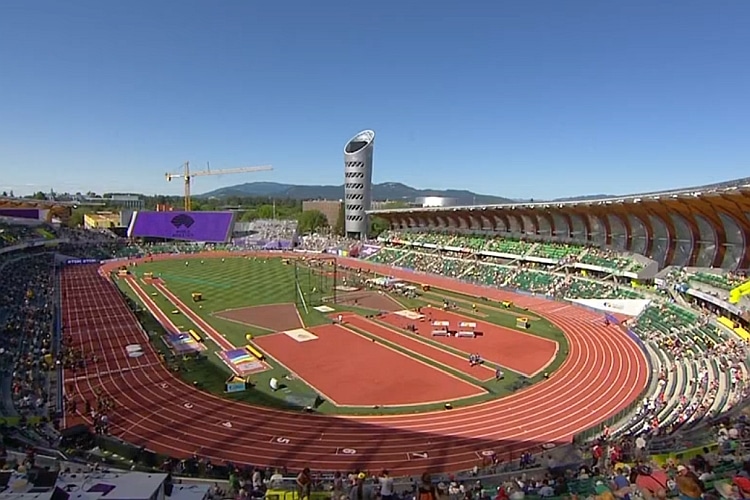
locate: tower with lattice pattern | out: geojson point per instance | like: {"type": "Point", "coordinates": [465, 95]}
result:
{"type": "Point", "coordinates": [358, 183]}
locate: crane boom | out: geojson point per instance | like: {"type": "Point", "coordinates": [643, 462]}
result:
{"type": "Point", "coordinates": [240, 170]}
{"type": "Point", "coordinates": [187, 176]}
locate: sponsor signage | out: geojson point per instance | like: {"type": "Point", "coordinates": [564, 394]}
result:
{"type": "Point", "coordinates": [75, 262]}
{"type": "Point", "coordinates": [368, 250]}
{"type": "Point", "coordinates": [235, 387]}
{"type": "Point", "coordinates": [211, 227]}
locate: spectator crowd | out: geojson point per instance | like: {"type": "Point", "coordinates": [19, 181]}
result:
{"type": "Point", "coordinates": [614, 466]}
{"type": "Point", "coordinates": [26, 315]}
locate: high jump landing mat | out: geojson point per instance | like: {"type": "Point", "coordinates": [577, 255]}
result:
{"type": "Point", "coordinates": [241, 361]}
{"type": "Point", "coordinates": [182, 343]}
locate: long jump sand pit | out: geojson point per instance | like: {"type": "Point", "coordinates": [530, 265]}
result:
{"type": "Point", "coordinates": [348, 369]}
{"type": "Point", "coordinates": [274, 317]}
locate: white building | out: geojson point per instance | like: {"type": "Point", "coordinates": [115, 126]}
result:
{"type": "Point", "coordinates": [111, 485]}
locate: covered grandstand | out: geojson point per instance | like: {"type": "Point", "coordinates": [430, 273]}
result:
{"type": "Point", "coordinates": [269, 234]}
{"type": "Point", "coordinates": [43, 210]}
{"type": "Point", "coordinates": [707, 226]}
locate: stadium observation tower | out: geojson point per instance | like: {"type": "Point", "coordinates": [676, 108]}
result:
{"type": "Point", "coordinates": [358, 183]}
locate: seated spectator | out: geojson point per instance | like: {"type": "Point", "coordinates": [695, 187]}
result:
{"type": "Point", "coordinates": [26, 294]}
{"type": "Point", "coordinates": [688, 484]}
{"type": "Point", "coordinates": [652, 483]}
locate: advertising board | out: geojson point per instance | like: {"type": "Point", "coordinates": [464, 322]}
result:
{"type": "Point", "coordinates": [211, 227]}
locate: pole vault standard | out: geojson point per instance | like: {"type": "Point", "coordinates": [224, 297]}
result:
{"type": "Point", "coordinates": [315, 280]}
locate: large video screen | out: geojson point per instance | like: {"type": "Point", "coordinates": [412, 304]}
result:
{"type": "Point", "coordinates": [21, 213]}
{"type": "Point", "coordinates": [212, 227]}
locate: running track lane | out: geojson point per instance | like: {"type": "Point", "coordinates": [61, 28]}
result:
{"type": "Point", "coordinates": [168, 324]}
{"type": "Point", "coordinates": [603, 373]}
{"type": "Point", "coordinates": [349, 369]}
{"type": "Point", "coordinates": [420, 347]}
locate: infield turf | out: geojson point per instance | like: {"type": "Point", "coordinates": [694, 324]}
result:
{"type": "Point", "coordinates": [239, 282]}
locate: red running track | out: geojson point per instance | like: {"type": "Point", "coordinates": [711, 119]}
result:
{"type": "Point", "coordinates": [603, 373]}
{"type": "Point", "coordinates": [349, 369]}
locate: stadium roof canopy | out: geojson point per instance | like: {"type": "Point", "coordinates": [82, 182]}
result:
{"type": "Point", "coordinates": [58, 209]}
{"type": "Point", "coordinates": [706, 226]}
{"type": "Point", "coordinates": [37, 203]}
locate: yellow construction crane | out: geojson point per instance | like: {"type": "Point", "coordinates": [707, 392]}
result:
{"type": "Point", "coordinates": [187, 175]}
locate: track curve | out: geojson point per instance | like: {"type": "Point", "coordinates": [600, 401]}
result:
{"type": "Point", "coordinates": [603, 373]}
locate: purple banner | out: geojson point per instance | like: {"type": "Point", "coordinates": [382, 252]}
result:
{"type": "Point", "coordinates": [368, 250]}
{"type": "Point", "coordinates": [213, 227]}
{"type": "Point", "coordinates": [21, 213]}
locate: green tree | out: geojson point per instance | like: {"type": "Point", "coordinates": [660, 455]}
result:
{"type": "Point", "coordinates": [248, 216]}
{"type": "Point", "coordinates": [378, 225]}
{"type": "Point", "coordinates": [76, 216]}
{"type": "Point", "coordinates": [265, 212]}
{"type": "Point", "coordinates": [311, 221]}
{"type": "Point", "coordinates": [395, 204]}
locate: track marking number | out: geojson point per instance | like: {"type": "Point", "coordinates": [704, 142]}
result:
{"type": "Point", "coordinates": [164, 385]}
{"type": "Point", "coordinates": [281, 440]}
{"type": "Point", "coordinates": [486, 454]}
{"type": "Point", "coordinates": [346, 451]}
{"type": "Point", "coordinates": [228, 425]}
{"type": "Point", "coordinates": [189, 406]}
{"type": "Point", "coordinates": [417, 455]}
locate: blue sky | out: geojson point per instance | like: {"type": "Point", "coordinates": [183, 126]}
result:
{"type": "Point", "coordinates": [514, 98]}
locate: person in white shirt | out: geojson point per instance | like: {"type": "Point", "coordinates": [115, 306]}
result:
{"type": "Point", "coordinates": [276, 480]}
{"type": "Point", "coordinates": [546, 490]}
{"type": "Point", "coordinates": [386, 486]}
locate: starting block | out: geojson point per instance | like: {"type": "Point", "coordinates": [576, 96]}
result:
{"type": "Point", "coordinates": [466, 334]}
{"type": "Point", "coordinates": [441, 333]}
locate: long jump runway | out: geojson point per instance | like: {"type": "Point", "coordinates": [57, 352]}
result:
{"type": "Point", "coordinates": [603, 373]}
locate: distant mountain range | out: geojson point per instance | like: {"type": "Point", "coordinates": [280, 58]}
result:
{"type": "Point", "coordinates": [387, 191]}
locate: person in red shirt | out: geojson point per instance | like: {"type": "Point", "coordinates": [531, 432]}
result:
{"type": "Point", "coordinates": [502, 494]}
{"type": "Point", "coordinates": [653, 483]}
{"type": "Point", "coordinates": [742, 482]}
{"type": "Point", "coordinates": [596, 455]}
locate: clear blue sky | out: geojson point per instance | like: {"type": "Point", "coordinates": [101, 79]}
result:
{"type": "Point", "coordinates": [516, 98]}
